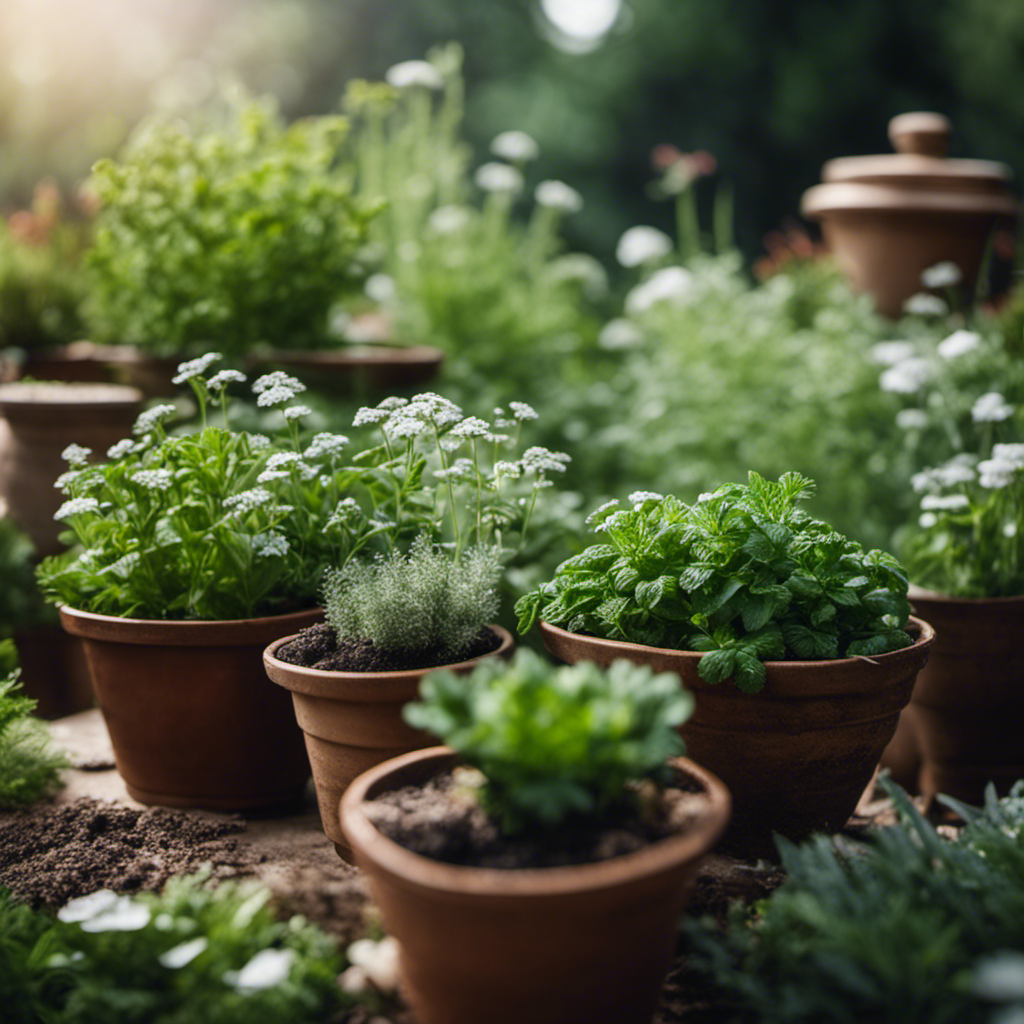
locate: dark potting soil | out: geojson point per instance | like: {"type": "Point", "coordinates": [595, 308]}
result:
{"type": "Point", "coordinates": [441, 820]}
{"type": "Point", "coordinates": [318, 647]}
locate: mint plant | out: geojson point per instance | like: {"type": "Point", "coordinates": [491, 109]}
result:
{"type": "Point", "coordinates": [238, 228]}
{"type": "Point", "coordinates": [743, 574]}
{"type": "Point", "coordinates": [550, 742]}
{"type": "Point", "coordinates": [899, 927]}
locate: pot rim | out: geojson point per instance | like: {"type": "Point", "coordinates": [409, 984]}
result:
{"type": "Point", "coordinates": [525, 883]}
{"type": "Point", "coordinates": [350, 355]}
{"type": "Point", "coordinates": [854, 198]}
{"type": "Point", "coordinates": [182, 632]}
{"type": "Point", "coordinates": [93, 395]}
{"type": "Point", "coordinates": [318, 682]}
{"type": "Point", "coordinates": [937, 597]}
{"type": "Point", "coordinates": [925, 630]}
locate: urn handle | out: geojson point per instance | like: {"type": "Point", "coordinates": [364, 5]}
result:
{"type": "Point", "coordinates": [921, 133]}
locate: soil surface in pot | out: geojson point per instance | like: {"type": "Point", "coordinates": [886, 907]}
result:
{"type": "Point", "coordinates": [318, 647]}
{"type": "Point", "coordinates": [441, 820]}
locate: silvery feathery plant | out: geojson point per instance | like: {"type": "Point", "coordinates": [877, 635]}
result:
{"type": "Point", "coordinates": [224, 524]}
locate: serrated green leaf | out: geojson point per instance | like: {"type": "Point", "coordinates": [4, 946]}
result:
{"type": "Point", "coordinates": [802, 586]}
{"type": "Point", "coordinates": [710, 598]}
{"type": "Point", "coordinates": [880, 643]}
{"type": "Point", "coordinates": [625, 580]}
{"type": "Point", "coordinates": [717, 666]}
{"type": "Point", "coordinates": [758, 546]}
{"type": "Point", "coordinates": [749, 673]}
{"type": "Point", "coordinates": [597, 557]}
{"type": "Point", "coordinates": [808, 644]}
{"type": "Point", "coordinates": [695, 576]}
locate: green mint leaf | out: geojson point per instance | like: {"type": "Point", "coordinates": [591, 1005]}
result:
{"type": "Point", "coordinates": [597, 557]}
{"type": "Point", "coordinates": [803, 586]}
{"type": "Point", "coordinates": [879, 643]}
{"type": "Point", "coordinates": [750, 673]}
{"type": "Point", "coordinates": [759, 546]}
{"type": "Point", "coordinates": [717, 666]}
{"type": "Point", "coordinates": [808, 644]}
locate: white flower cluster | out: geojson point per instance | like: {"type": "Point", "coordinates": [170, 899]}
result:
{"type": "Point", "coordinates": [105, 911]}
{"type": "Point", "coordinates": [152, 418]}
{"type": "Point", "coordinates": [76, 455]}
{"type": "Point", "coordinates": [991, 407]}
{"type": "Point", "coordinates": [943, 275]}
{"type": "Point", "coordinates": [637, 498]}
{"type": "Point", "coordinates": [195, 367]}
{"type": "Point", "coordinates": [542, 460]}
{"type": "Point", "coordinates": [153, 479]}
{"type": "Point", "coordinates": [515, 146]}
{"type": "Point", "coordinates": [952, 474]}
{"type": "Point", "coordinates": [247, 501]}
{"type": "Point", "coordinates": [642, 244]}
{"type": "Point", "coordinates": [907, 377]}
{"type": "Point", "coordinates": [601, 509]}
{"type": "Point", "coordinates": [999, 471]}
{"type": "Point", "coordinates": [924, 304]}
{"type": "Point", "coordinates": [121, 449]}
{"type": "Point", "coordinates": [959, 343]}
{"type": "Point", "coordinates": [326, 445]}
{"type": "Point", "coordinates": [223, 378]}
{"type": "Point", "coordinates": [373, 964]}
{"type": "Point", "coordinates": [889, 353]}
{"type": "Point", "coordinates": [414, 74]}
{"type": "Point", "coordinates": [276, 388]}
{"type": "Point", "coordinates": [449, 220]}
{"type": "Point", "coordinates": [556, 195]}
{"type": "Point", "coordinates": [270, 545]}
{"type": "Point", "coordinates": [76, 507]}
{"type": "Point", "coordinates": [267, 969]}
{"type": "Point", "coordinates": [499, 178]}
{"type": "Point", "coordinates": [670, 284]}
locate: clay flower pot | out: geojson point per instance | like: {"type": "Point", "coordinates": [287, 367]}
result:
{"type": "Point", "coordinates": [192, 718]}
{"type": "Point", "coordinates": [888, 218]}
{"type": "Point", "coordinates": [353, 720]}
{"type": "Point", "coordinates": [968, 704]}
{"type": "Point", "coordinates": [798, 755]}
{"type": "Point", "coordinates": [589, 944]}
{"type": "Point", "coordinates": [42, 420]}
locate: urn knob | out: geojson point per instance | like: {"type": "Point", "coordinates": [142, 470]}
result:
{"type": "Point", "coordinates": [921, 133]}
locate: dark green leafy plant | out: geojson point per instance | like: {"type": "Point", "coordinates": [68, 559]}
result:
{"type": "Point", "coordinates": [242, 230]}
{"type": "Point", "coordinates": [743, 574]}
{"type": "Point", "coordinates": [555, 742]}
{"type": "Point", "coordinates": [29, 768]}
{"type": "Point", "coordinates": [18, 598]}
{"type": "Point", "coordinates": [887, 930]}
{"type": "Point", "coordinates": [189, 955]}
{"type": "Point", "coordinates": [420, 602]}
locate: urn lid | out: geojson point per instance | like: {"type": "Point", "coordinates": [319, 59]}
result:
{"type": "Point", "coordinates": [917, 177]}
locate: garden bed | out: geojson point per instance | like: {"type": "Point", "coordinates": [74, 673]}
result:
{"type": "Point", "coordinates": [94, 836]}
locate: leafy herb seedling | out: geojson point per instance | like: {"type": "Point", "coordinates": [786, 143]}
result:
{"type": "Point", "coordinates": [555, 742]}
{"type": "Point", "coordinates": [743, 574]}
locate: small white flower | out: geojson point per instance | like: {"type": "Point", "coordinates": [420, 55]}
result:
{"type": "Point", "coordinates": [295, 412]}
{"type": "Point", "coordinates": [601, 509]}
{"type": "Point", "coordinates": [1011, 453]}
{"type": "Point", "coordinates": [246, 501]}
{"type": "Point", "coordinates": [471, 426]}
{"type": "Point", "coordinates": [924, 304]}
{"type": "Point", "coordinates": [403, 427]}
{"type": "Point", "coordinates": [452, 442]}
{"type": "Point", "coordinates": [378, 959]}
{"type": "Point", "coordinates": [151, 418]}
{"type": "Point", "coordinates": [76, 455]}
{"type": "Point", "coordinates": [390, 404]}
{"type": "Point", "coordinates": [614, 520]}
{"type": "Point", "coordinates": [84, 907]}
{"type": "Point", "coordinates": [515, 146]}
{"type": "Point", "coordinates": [279, 459]}
{"type": "Point", "coordinates": [556, 195]}
{"type": "Point", "coordinates": [995, 474]}
{"type": "Point", "coordinates": [671, 284]}
{"type": "Point", "coordinates": [912, 419]}
{"type": "Point", "coordinates": [195, 367]}
{"type": "Point", "coordinates": [637, 498]}
{"type": "Point", "coordinates": [269, 967]}
{"type": "Point", "coordinates": [367, 415]}
{"type": "Point", "coordinates": [991, 408]}
{"type": "Point", "coordinates": [347, 511]}
{"type": "Point", "coordinates": [494, 177]}
{"type": "Point", "coordinates": [269, 475]}
{"type": "Point", "coordinates": [411, 74]}
{"type": "Point", "coordinates": [619, 334]}
{"type": "Point", "coordinates": [889, 353]}
{"type": "Point", "coordinates": [1010, 530]}
{"type": "Point", "coordinates": [543, 460]}
{"type": "Point", "coordinates": [269, 545]}
{"type": "Point", "coordinates": [121, 449]}
{"type": "Point", "coordinates": [124, 915]}
{"type": "Point", "coordinates": [926, 520]}
{"type": "Point", "coordinates": [183, 954]}
{"type": "Point", "coordinates": [326, 444]}
{"type": "Point", "coordinates": [275, 380]}
{"type": "Point", "coordinates": [448, 220]}
{"type": "Point", "coordinates": [274, 396]}
{"type": "Point", "coordinates": [642, 244]}
{"type": "Point", "coordinates": [257, 442]}
{"type": "Point", "coordinates": [906, 377]}
{"type": "Point", "coordinates": [76, 507]}
{"type": "Point", "coordinates": [942, 275]}
{"type": "Point", "coordinates": [944, 502]}
{"type": "Point", "coordinates": [522, 411]}
{"type": "Point", "coordinates": [153, 479]}
{"type": "Point", "coordinates": [66, 479]}
{"type": "Point", "coordinates": [380, 288]}
{"type": "Point", "coordinates": [509, 470]}
{"type": "Point", "coordinates": [223, 378]}
{"type": "Point", "coordinates": [959, 343]}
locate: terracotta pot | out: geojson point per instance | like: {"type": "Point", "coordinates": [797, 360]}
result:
{"type": "Point", "coordinates": [356, 367]}
{"type": "Point", "coordinates": [152, 375]}
{"type": "Point", "coordinates": [969, 700]}
{"type": "Point", "coordinates": [888, 218]}
{"type": "Point", "coordinates": [77, 362]}
{"type": "Point", "coordinates": [43, 419]}
{"type": "Point", "coordinates": [353, 721]}
{"type": "Point", "coordinates": [192, 718]}
{"type": "Point", "coordinates": [589, 944]}
{"type": "Point", "coordinates": [798, 755]}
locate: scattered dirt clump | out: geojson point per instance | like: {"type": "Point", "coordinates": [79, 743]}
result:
{"type": "Point", "coordinates": [318, 647]}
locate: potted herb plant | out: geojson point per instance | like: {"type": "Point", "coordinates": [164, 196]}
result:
{"type": "Point", "coordinates": [238, 228]}
{"type": "Point", "coordinates": [391, 620]}
{"type": "Point", "coordinates": [195, 552]}
{"type": "Point", "coordinates": [744, 587]}
{"type": "Point", "coordinates": [965, 553]}
{"type": "Point", "coordinates": [535, 869]}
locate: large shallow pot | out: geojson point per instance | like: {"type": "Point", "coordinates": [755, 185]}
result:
{"type": "Point", "coordinates": [570, 945]}
{"type": "Point", "coordinates": [968, 705]}
{"type": "Point", "coordinates": [42, 420]}
{"type": "Point", "coordinates": [888, 218]}
{"type": "Point", "coordinates": [353, 720]}
{"type": "Point", "coordinates": [191, 716]}
{"type": "Point", "coordinates": [798, 755]}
